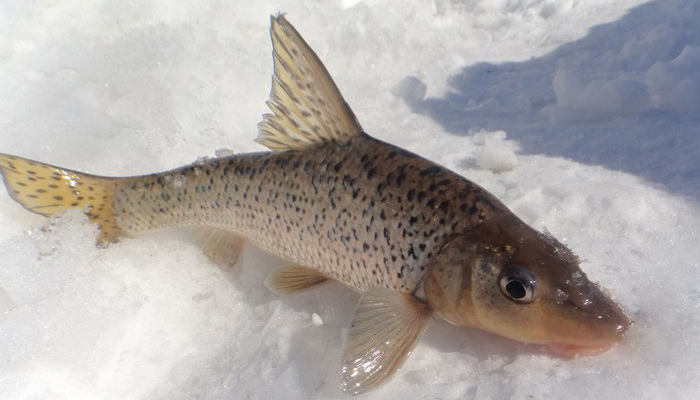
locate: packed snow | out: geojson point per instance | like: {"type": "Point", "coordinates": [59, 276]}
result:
{"type": "Point", "coordinates": [582, 116]}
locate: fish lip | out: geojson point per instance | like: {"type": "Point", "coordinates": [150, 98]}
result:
{"type": "Point", "coordinates": [569, 350]}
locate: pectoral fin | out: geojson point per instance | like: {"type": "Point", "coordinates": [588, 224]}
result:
{"type": "Point", "coordinates": [222, 247]}
{"type": "Point", "coordinates": [292, 279]}
{"type": "Point", "coordinates": [385, 329]}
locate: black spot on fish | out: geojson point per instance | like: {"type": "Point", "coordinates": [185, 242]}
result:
{"type": "Point", "coordinates": [444, 206]}
{"type": "Point", "coordinates": [372, 173]}
{"type": "Point", "coordinates": [411, 194]}
{"type": "Point", "coordinates": [400, 179]}
{"type": "Point", "coordinates": [421, 196]}
{"type": "Point", "coordinates": [412, 252]}
{"type": "Point", "coordinates": [347, 182]}
{"type": "Point", "coordinates": [431, 171]}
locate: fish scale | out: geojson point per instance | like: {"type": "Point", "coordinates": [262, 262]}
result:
{"type": "Point", "coordinates": [364, 213]}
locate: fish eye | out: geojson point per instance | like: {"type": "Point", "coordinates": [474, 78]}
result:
{"type": "Point", "coordinates": [518, 284]}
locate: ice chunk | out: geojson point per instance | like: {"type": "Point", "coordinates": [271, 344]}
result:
{"type": "Point", "coordinates": [176, 180]}
{"type": "Point", "coordinates": [497, 154]}
{"type": "Point", "coordinates": [223, 152]}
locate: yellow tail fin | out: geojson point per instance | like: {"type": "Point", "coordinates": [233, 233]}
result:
{"type": "Point", "coordinates": [48, 190]}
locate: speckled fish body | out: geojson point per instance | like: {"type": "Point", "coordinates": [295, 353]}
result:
{"type": "Point", "coordinates": [413, 238]}
{"type": "Point", "coordinates": [364, 213]}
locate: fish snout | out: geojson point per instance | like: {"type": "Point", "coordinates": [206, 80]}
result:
{"type": "Point", "coordinates": [599, 322]}
{"type": "Point", "coordinates": [612, 319]}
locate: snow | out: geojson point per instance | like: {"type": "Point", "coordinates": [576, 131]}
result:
{"type": "Point", "coordinates": [496, 153]}
{"type": "Point", "coordinates": [582, 116]}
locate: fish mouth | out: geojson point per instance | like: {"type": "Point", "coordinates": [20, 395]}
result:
{"type": "Point", "coordinates": [567, 350]}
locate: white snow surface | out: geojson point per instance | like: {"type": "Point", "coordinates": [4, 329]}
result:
{"type": "Point", "coordinates": [582, 116]}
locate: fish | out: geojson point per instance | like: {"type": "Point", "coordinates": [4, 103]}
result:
{"type": "Point", "coordinates": [413, 238]}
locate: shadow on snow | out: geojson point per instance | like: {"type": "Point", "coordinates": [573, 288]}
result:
{"type": "Point", "coordinates": [591, 100]}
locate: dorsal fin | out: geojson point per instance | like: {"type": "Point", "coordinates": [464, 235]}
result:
{"type": "Point", "coordinates": [308, 108]}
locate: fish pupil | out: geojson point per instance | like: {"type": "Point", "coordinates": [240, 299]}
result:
{"type": "Point", "coordinates": [516, 289]}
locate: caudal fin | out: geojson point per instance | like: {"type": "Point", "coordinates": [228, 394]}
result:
{"type": "Point", "coordinates": [48, 190]}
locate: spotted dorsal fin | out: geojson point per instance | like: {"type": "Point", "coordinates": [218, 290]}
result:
{"type": "Point", "coordinates": [307, 106]}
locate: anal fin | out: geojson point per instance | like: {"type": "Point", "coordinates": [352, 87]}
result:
{"type": "Point", "coordinates": [293, 279]}
{"type": "Point", "coordinates": [385, 329]}
{"type": "Point", "coordinates": [221, 246]}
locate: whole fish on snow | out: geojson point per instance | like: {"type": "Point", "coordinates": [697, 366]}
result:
{"type": "Point", "coordinates": [414, 238]}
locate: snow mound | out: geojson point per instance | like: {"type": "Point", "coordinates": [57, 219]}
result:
{"type": "Point", "coordinates": [675, 85]}
{"type": "Point", "coordinates": [636, 74]}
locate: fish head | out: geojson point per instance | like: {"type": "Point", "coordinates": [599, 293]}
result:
{"type": "Point", "coordinates": [507, 278]}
